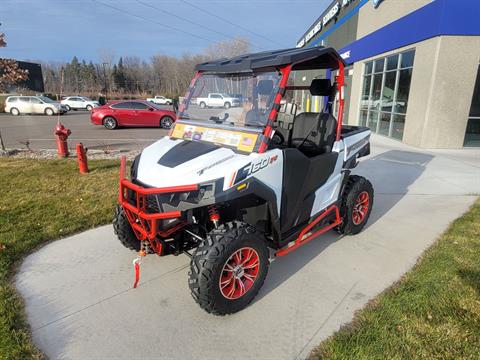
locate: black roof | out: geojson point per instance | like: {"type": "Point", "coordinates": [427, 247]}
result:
{"type": "Point", "coordinates": [317, 57]}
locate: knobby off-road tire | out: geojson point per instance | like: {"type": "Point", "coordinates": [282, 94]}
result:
{"type": "Point", "coordinates": [356, 205]}
{"type": "Point", "coordinates": [124, 231]}
{"type": "Point", "coordinates": [210, 264]}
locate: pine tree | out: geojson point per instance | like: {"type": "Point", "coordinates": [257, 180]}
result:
{"type": "Point", "coordinates": [119, 75]}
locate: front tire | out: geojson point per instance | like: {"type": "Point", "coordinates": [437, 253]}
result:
{"type": "Point", "coordinates": [356, 206]}
{"type": "Point", "coordinates": [110, 123]}
{"type": "Point", "coordinates": [49, 111]}
{"type": "Point", "coordinates": [89, 108]}
{"type": "Point", "coordinates": [14, 111]}
{"type": "Point", "coordinates": [68, 107]}
{"type": "Point", "coordinates": [123, 230]}
{"type": "Point", "coordinates": [166, 122]}
{"type": "Point", "coordinates": [228, 268]}
{"type": "Point", "coordinates": [227, 105]}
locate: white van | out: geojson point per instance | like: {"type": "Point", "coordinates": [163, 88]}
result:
{"type": "Point", "coordinates": [17, 105]}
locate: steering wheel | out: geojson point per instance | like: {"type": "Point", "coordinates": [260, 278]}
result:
{"type": "Point", "coordinates": [277, 138]}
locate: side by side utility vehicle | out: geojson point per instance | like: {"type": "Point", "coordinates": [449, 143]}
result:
{"type": "Point", "coordinates": [235, 188]}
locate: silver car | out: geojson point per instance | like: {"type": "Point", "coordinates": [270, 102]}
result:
{"type": "Point", "coordinates": [79, 103]}
{"type": "Point", "coordinates": [17, 105]}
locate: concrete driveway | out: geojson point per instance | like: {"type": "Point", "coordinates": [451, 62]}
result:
{"type": "Point", "coordinates": [80, 303]}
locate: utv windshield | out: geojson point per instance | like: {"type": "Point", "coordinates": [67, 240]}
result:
{"type": "Point", "coordinates": [232, 100]}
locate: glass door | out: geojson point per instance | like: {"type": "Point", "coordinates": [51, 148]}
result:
{"type": "Point", "coordinates": [472, 134]}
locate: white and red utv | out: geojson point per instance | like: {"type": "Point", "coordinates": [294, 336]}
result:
{"type": "Point", "coordinates": [235, 188]}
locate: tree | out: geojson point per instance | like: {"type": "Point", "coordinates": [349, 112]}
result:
{"type": "Point", "coordinates": [226, 49]}
{"type": "Point", "coordinates": [118, 75]}
{"type": "Point", "coordinates": [163, 74]}
{"type": "Point", "coordinates": [10, 74]}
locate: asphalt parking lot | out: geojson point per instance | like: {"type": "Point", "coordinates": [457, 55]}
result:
{"type": "Point", "coordinates": [38, 131]}
{"type": "Point", "coordinates": [80, 303]}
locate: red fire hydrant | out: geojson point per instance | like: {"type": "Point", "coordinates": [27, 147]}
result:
{"type": "Point", "coordinates": [61, 133]}
{"type": "Point", "coordinates": [82, 158]}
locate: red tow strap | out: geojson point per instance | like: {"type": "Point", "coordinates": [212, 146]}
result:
{"type": "Point", "coordinates": [136, 265]}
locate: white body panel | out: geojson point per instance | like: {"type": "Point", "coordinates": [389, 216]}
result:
{"type": "Point", "coordinates": [194, 171]}
{"type": "Point", "coordinates": [354, 143]}
{"type": "Point", "coordinates": [329, 192]}
{"type": "Point", "coordinates": [225, 163]}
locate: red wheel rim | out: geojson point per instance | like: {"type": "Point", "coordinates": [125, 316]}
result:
{"type": "Point", "coordinates": [360, 209]}
{"type": "Point", "coordinates": [239, 273]}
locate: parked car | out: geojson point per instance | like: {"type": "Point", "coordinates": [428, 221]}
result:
{"type": "Point", "coordinates": [160, 100]}
{"type": "Point", "coordinates": [79, 103]}
{"type": "Point", "coordinates": [17, 105]}
{"type": "Point", "coordinates": [217, 100]}
{"type": "Point", "coordinates": [132, 113]}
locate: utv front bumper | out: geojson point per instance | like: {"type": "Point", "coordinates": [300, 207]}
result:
{"type": "Point", "coordinates": [144, 217]}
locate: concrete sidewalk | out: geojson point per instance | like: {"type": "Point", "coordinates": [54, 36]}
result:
{"type": "Point", "coordinates": [80, 303]}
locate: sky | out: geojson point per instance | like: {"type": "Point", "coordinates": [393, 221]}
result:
{"type": "Point", "coordinates": [57, 30]}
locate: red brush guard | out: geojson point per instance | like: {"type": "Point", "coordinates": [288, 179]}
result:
{"type": "Point", "coordinates": [144, 222]}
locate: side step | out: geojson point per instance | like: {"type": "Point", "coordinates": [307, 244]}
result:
{"type": "Point", "coordinates": [305, 235]}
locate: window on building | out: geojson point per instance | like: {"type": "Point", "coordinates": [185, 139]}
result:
{"type": "Point", "coordinates": [472, 134]}
{"type": "Point", "coordinates": [385, 91]}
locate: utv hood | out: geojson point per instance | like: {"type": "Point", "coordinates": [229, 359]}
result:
{"type": "Point", "coordinates": [171, 162]}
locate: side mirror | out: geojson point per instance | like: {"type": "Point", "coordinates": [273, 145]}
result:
{"type": "Point", "coordinates": [151, 109]}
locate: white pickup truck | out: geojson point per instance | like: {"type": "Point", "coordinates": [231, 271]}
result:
{"type": "Point", "coordinates": [160, 100]}
{"type": "Point", "coordinates": [218, 100]}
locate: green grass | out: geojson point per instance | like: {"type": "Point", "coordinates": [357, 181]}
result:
{"type": "Point", "coordinates": [432, 313]}
{"type": "Point", "coordinates": [43, 200]}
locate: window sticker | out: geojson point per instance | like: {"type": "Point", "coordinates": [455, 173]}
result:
{"type": "Point", "coordinates": [242, 141]}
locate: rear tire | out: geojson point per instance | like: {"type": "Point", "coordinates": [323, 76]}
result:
{"type": "Point", "coordinates": [357, 202]}
{"type": "Point", "coordinates": [110, 123]}
{"type": "Point", "coordinates": [166, 122]}
{"type": "Point", "coordinates": [228, 268]}
{"type": "Point", "coordinates": [227, 105]}
{"type": "Point", "coordinates": [203, 105]}
{"type": "Point", "coordinates": [123, 230]}
{"type": "Point", "coordinates": [14, 111]}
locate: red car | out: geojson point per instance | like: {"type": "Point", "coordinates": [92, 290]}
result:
{"type": "Point", "coordinates": [132, 113]}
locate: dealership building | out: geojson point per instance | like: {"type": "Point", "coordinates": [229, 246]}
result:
{"type": "Point", "coordinates": [412, 67]}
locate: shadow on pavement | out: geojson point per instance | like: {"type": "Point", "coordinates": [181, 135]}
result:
{"type": "Point", "coordinates": [391, 173]}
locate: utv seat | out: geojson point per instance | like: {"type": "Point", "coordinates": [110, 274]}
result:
{"type": "Point", "coordinates": [314, 133]}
